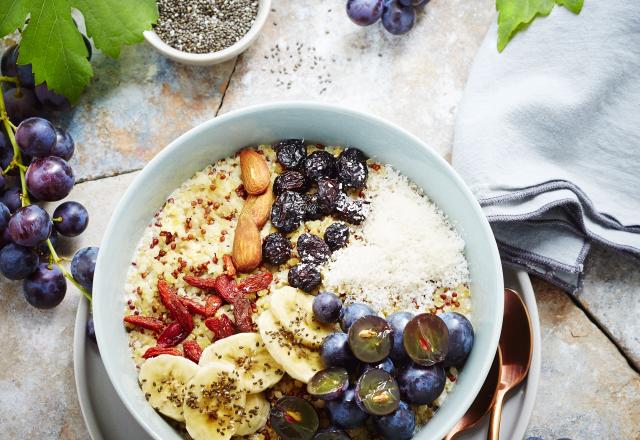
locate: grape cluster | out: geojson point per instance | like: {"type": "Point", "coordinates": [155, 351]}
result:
{"type": "Point", "coordinates": [33, 160]}
{"type": "Point", "coordinates": [398, 16]}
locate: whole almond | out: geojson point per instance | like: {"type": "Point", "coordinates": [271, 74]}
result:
{"type": "Point", "coordinates": [259, 207]}
{"type": "Point", "coordinates": [254, 171]}
{"type": "Point", "coordinates": [247, 245]}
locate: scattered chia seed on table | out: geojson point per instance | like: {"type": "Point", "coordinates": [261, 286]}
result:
{"type": "Point", "coordinates": [204, 26]}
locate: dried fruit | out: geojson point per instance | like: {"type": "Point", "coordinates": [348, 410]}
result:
{"type": "Point", "coordinates": [247, 245]}
{"type": "Point", "coordinates": [193, 306]}
{"type": "Point", "coordinates": [145, 322]}
{"type": "Point", "coordinates": [288, 211]}
{"type": "Point", "coordinates": [254, 171]}
{"type": "Point", "coordinates": [255, 283]}
{"type": "Point", "coordinates": [313, 211]}
{"type": "Point", "coordinates": [329, 191]}
{"type": "Point", "coordinates": [353, 154]}
{"type": "Point", "coordinates": [336, 235]}
{"type": "Point", "coordinates": [276, 249]}
{"type": "Point", "coordinates": [291, 153]}
{"type": "Point", "coordinates": [304, 276]}
{"type": "Point", "coordinates": [320, 163]}
{"type": "Point", "coordinates": [227, 264]}
{"type": "Point", "coordinates": [226, 288]}
{"type": "Point", "coordinates": [312, 249]}
{"type": "Point", "coordinates": [214, 302]}
{"type": "Point", "coordinates": [350, 210]}
{"type": "Point", "coordinates": [201, 283]}
{"type": "Point", "coordinates": [242, 311]}
{"type": "Point", "coordinates": [176, 309]}
{"type": "Point", "coordinates": [222, 327]}
{"type": "Point", "coordinates": [290, 181]}
{"type": "Point", "coordinates": [352, 169]}
{"type": "Point", "coordinates": [157, 351]}
{"type": "Point", "coordinates": [259, 207]}
{"type": "Point", "coordinates": [192, 350]}
{"type": "Point", "coordinates": [172, 335]}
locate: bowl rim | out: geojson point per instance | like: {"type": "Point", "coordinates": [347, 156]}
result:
{"type": "Point", "coordinates": [264, 7]}
{"type": "Point", "coordinates": [180, 141]}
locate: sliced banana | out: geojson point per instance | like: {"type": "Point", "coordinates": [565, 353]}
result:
{"type": "Point", "coordinates": [247, 353]}
{"type": "Point", "coordinates": [256, 413]}
{"type": "Point", "coordinates": [299, 361]}
{"type": "Point", "coordinates": [163, 380]}
{"type": "Point", "coordinates": [294, 310]}
{"type": "Point", "coordinates": [214, 402]}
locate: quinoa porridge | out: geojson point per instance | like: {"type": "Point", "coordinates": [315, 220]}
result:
{"type": "Point", "coordinates": [293, 290]}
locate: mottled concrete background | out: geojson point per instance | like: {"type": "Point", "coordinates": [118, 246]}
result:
{"type": "Point", "coordinates": [590, 387]}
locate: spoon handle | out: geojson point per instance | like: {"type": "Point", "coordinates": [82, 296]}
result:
{"type": "Point", "coordinates": [496, 415]}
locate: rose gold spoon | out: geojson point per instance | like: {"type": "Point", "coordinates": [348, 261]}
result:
{"type": "Point", "coordinates": [482, 404]}
{"type": "Point", "coordinates": [515, 348]}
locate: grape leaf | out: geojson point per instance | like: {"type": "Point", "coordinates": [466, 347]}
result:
{"type": "Point", "coordinates": [53, 45]}
{"type": "Point", "coordinates": [515, 15]}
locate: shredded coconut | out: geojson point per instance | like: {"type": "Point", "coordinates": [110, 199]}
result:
{"type": "Point", "coordinates": [405, 250]}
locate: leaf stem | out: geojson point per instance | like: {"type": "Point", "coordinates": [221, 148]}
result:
{"type": "Point", "coordinates": [13, 79]}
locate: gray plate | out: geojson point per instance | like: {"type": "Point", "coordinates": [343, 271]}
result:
{"type": "Point", "coordinates": [107, 418]}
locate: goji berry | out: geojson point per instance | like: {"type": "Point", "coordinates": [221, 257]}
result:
{"type": "Point", "coordinates": [222, 327]}
{"type": "Point", "coordinates": [226, 288]}
{"type": "Point", "coordinates": [200, 283]}
{"type": "Point", "coordinates": [192, 350]}
{"type": "Point", "coordinates": [193, 306]}
{"type": "Point", "coordinates": [145, 322]}
{"type": "Point", "coordinates": [227, 263]}
{"type": "Point", "coordinates": [242, 314]}
{"type": "Point", "coordinates": [214, 302]}
{"type": "Point", "coordinates": [172, 335]}
{"type": "Point", "coordinates": [255, 283]}
{"type": "Point", "coordinates": [177, 310]}
{"type": "Point", "coordinates": [157, 351]}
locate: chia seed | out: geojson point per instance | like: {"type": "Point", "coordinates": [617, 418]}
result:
{"type": "Point", "coordinates": [204, 26]}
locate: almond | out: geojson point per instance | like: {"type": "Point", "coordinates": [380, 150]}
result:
{"type": "Point", "coordinates": [254, 171]}
{"type": "Point", "coordinates": [247, 245]}
{"type": "Point", "coordinates": [259, 207]}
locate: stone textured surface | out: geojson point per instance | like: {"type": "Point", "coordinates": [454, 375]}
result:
{"type": "Point", "coordinates": [587, 389]}
{"type": "Point", "coordinates": [335, 61]}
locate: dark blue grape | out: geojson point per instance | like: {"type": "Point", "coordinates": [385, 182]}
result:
{"type": "Point", "coordinates": [326, 307]}
{"type": "Point", "coordinates": [398, 19]}
{"type": "Point", "coordinates": [335, 351]}
{"type": "Point", "coordinates": [29, 226]}
{"type": "Point", "coordinates": [328, 384]}
{"type": "Point", "coordinates": [377, 392]}
{"type": "Point", "coordinates": [83, 266]}
{"type": "Point", "coordinates": [36, 137]}
{"type": "Point", "coordinates": [461, 338]}
{"type": "Point", "coordinates": [370, 338]}
{"type": "Point", "coordinates": [5, 216]}
{"type": "Point", "coordinates": [51, 100]}
{"type": "Point", "coordinates": [17, 262]}
{"type": "Point", "coordinates": [364, 12]}
{"type": "Point", "coordinates": [91, 330]}
{"type": "Point", "coordinates": [49, 178]}
{"type": "Point", "coordinates": [5, 238]}
{"type": "Point", "coordinates": [352, 312]}
{"type": "Point", "coordinates": [21, 104]}
{"type": "Point", "coordinates": [293, 418]}
{"type": "Point", "coordinates": [10, 67]}
{"type": "Point", "coordinates": [70, 219]}
{"type": "Point", "coordinates": [331, 434]}
{"type": "Point", "coordinates": [11, 198]}
{"type": "Point", "coordinates": [43, 248]}
{"type": "Point", "coordinates": [421, 385]}
{"type": "Point", "coordinates": [45, 288]}
{"type": "Point", "coordinates": [3, 179]}
{"type": "Point", "coordinates": [64, 147]}
{"type": "Point", "coordinates": [399, 425]}
{"type": "Point", "coordinates": [413, 3]}
{"type": "Point", "coordinates": [386, 365]}
{"type": "Point", "coordinates": [398, 321]}
{"type": "Point", "coordinates": [345, 412]}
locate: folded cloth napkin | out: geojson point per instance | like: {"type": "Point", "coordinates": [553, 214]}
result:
{"type": "Point", "coordinates": [548, 138]}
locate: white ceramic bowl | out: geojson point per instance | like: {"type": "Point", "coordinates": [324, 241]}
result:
{"type": "Point", "coordinates": [207, 59]}
{"type": "Point", "coordinates": [224, 135]}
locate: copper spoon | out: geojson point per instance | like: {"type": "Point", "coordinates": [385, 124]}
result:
{"type": "Point", "coordinates": [515, 348]}
{"type": "Point", "coordinates": [482, 404]}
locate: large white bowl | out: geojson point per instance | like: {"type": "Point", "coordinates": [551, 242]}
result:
{"type": "Point", "coordinates": [224, 135]}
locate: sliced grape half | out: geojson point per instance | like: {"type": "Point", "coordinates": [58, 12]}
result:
{"type": "Point", "coordinates": [377, 392]}
{"type": "Point", "coordinates": [293, 418]}
{"type": "Point", "coordinates": [329, 384]}
{"type": "Point", "coordinates": [370, 338]}
{"type": "Point", "coordinates": [331, 434]}
{"type": "Point", "coordinates": [426, 339]}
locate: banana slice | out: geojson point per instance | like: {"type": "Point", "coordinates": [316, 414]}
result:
{"type": "Point", "coordinates": [299, 361]}
{"type": "Point", "coordinates": [214, 402]}
{"type": "Point", "coordinates": [163, 380]}
{"type": "Point", "coordinates": [294, 310]}
{"type": "Point", "coordinates": [256, 413]}
{"type": "Point", "coordinates": [247, 353]}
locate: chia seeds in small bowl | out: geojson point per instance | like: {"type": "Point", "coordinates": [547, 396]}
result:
{"type": "Point", "coordinates": [205, 32]}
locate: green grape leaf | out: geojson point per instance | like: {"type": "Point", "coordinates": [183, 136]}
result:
{"type": "Point", "coordinates": [516, 15]}
{"type": "Point", "coordinates": [53, 45]}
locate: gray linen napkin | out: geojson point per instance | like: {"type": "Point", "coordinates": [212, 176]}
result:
{"type": "Point", "coordinates": [548, 138]}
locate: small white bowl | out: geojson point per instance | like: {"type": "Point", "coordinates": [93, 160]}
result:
{"type": "Point", "coordinates": [208, 59]}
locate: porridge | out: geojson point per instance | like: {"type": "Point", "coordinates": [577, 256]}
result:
{"type": "Point", "coordinates": [298, 291]}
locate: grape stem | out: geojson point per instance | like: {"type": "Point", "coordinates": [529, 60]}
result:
{"type": "Point", "coordinates": [65, 272]}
